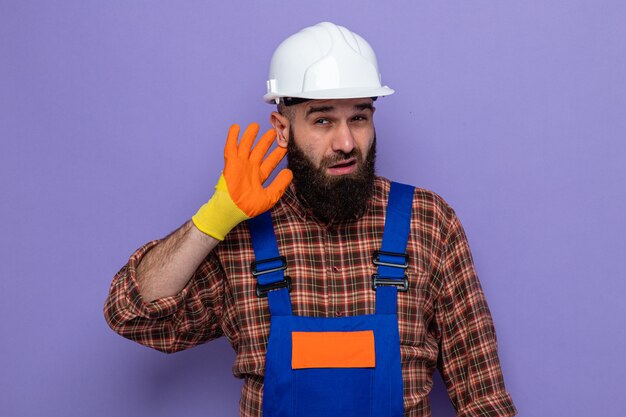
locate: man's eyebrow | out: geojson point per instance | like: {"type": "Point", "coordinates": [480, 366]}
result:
{"type": "Point", "coordinates": [320, 109]}
{"type": "Point", "coordinates": [328, 109]}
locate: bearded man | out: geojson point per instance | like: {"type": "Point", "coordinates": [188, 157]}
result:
{"type": "Point", "coordinates": [340, 291]}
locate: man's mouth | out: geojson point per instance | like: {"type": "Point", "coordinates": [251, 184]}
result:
{"type": "Point", "coordinates": [347, 166]}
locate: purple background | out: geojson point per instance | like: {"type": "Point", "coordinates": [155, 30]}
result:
{"type": "Point", "coordinates": [112, 121]}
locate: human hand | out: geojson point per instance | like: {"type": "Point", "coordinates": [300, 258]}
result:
{"type": "Point", "coordinates": [239, 193]}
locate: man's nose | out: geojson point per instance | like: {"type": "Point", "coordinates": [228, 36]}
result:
{"type": "Point", "coordinates": [343, 140]}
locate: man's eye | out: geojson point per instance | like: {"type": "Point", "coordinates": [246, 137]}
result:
{"type": "Point", "coordinates": [321, 121]}
{"type": "Point", "coordinates": [359, 118]}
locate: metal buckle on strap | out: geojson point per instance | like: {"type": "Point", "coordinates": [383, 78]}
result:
{"type": "Point", "coordinates": [403, 256]}
{"type": "Point", "coordinates": [257, 266]}
{"type": "Point", "coordinates": [402, 284]}
{"type": "Point", "coordinates": [263, 289]}
{"type": "Point", "coordinates": [257, 269]}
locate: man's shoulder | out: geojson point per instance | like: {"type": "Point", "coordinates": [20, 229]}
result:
{"type": "Point", "coordinates": [424, 200]}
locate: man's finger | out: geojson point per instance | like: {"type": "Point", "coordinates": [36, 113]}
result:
{"type": "Point", "coordinates": [247, 139]}
{"type": "Point", "coordinates": [271, 162]}
{"type": "Point", "coordinates": [231, 141]}
{"type": "Point", "coordinates": [260, 149]}
{"type": "Point", "coordinates": [277, 188]}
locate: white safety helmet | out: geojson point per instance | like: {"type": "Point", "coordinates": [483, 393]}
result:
{"type": "Point", "coordinates": [325, 61]}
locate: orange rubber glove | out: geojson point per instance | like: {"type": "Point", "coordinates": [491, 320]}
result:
{"type": "Point", "coordinates": [239, 193]}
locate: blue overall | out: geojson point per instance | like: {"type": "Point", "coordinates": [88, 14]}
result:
{"type": "Point", "coordinates": [372, 390]}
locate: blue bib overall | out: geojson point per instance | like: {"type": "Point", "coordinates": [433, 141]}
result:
{"type": "Point", "coordinates": [348, 366]}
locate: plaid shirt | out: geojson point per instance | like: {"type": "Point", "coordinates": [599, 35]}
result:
{"type": "Point", "coordinates": [444, 320]}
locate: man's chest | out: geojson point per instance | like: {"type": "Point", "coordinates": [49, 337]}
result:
{"type": "Point", "coordinates": [331, 277]}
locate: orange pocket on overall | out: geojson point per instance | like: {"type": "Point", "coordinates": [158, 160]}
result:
{"type": "Point", "coordinates": [333, 349]}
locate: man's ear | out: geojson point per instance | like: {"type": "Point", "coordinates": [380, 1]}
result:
{"type": "Point", "coordinates": [281, 126]}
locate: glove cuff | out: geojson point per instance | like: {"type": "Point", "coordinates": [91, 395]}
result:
{"type": "Point", "coordinates": [220, 214]}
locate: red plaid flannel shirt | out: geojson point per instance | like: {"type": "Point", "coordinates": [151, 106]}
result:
{"type": "Point", "coordinates": [444, 320]}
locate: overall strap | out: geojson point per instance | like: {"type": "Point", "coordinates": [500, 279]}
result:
{"type": "Point", "coordinates": [392, 260]}
{"type": "Point", "coordinates": [269, 267]}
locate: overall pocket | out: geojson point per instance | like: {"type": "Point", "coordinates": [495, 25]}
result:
{"type": "Point", "coordinates": [333, 373]}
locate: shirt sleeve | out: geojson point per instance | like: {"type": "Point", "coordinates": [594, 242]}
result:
{"type": "Point", "coordinates": [168, 324]}
{"type": "Point", "coordinates": [468, 358]}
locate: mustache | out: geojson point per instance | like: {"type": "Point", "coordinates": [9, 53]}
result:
{"type": "Point", "coordinates": [339, 157]}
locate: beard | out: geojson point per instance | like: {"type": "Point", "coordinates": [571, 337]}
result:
{"type": "Point", "coordinates": [332, 198]}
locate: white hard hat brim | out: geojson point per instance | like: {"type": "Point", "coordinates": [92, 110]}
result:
{"type": "Point", "coordinates": [337, 93]}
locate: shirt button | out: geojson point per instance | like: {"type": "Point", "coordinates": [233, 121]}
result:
{"type": "Point", "coordinates": [335, 269]}
{"type": "Point", "coordinates": [338, 313]}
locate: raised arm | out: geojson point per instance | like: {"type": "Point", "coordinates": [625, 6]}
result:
{"type": "Point", "coordinates": [239, 195]}
{"type": "Point", "coordinates": [155, 296]}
